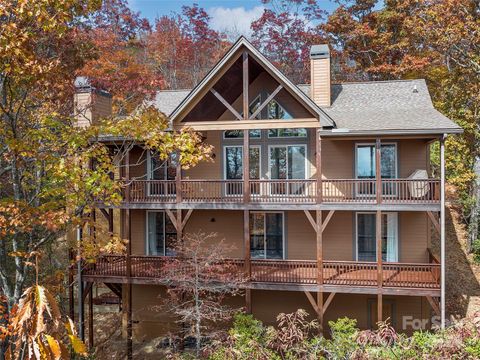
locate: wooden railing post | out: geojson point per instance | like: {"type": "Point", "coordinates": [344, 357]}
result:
{"type": "Point", "coordinates": [127, 176]}
{"type": "Point", "coordinates": [318, 163]}
{"type": "Point", "coordinates": [378, 236]}
{"type": "Point", "coordinates": [378, 170]}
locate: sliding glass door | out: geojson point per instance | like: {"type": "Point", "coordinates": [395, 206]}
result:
{"type": "Point", "coordinates": [366, 167]}
{"type": "Point", "coordinates": [266, 235]}
{"type": "Point", "coordinates": [366, 237]}
{"type": "Point", "coordinates": [287, 162]}
{"type": "Point", "coordinates": [158, 169]}
{"type": "Point", "coordinates": [161, 234]}
{"type": "Point", "coordinates": [233, 161]}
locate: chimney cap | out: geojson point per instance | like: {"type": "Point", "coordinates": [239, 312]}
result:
{"type": "Point", "coordinates": [84, 84]}
{"type": "Point", "coordinates": [320, 51]}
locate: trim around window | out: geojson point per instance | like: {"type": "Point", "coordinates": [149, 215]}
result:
{"type": "Point", "coordinates": [270, 146]}
{"type": "Point", "coordinates": [357, 145]}
{"type": "Point", "coordinates": [240, 146]}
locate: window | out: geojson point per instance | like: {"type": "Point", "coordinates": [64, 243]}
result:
{"type": "Point", "coordinates": [266, 235]}
{"type": "Point", "coordinates": [233, 167]}
{"type": "Point", "coordinates": [366, 237]}
{"type": "Point", "coordinates": [238, 134]}
{"type": "Point", "coordinates": [366, 167]}
{"type": "Point", "coordinates": [161, 234]}
{"type": "Point", "coordinates": [287, 162]}
{"type": "Point", "coordinates": [158, 169]}
{"type": "Point", "coordinates": [287, 133]}
{"type": "Point", "coordinates": [276, 111]}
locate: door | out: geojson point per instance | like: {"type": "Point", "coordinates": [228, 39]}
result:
{"type": "Point", "coordinates": [366, 237]}
{"type": "Point", "coordinates": [266, 235]}
{"type": "Point", "coordinates": [161, 234]}
{"type": "Point", "coordinates": [287, 162]}
{"type": "Point", "coordinates": [233, 161]}
{"type": "Point", "coordinates": [158, 169]}
{"type": "Point", "coordinates": [366, 168]}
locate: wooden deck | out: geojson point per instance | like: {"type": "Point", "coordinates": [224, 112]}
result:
{"type": "Point", "coordinates": [151, 269]}
{"type": "Point", "coordinates": [338, 191]}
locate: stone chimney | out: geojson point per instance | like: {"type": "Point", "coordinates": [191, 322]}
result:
{"type": "Point", "coordinates": [91, 104]}
{"type": "Point", "coordinates": [320, 90]}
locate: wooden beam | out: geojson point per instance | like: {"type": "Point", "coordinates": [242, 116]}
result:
{"type": "Point", "coordinates": [266, 102]}
{"type": "Point", "coordinates": [379, 307]}
{"type": "Point", "coordinates": [128, 307]}
{"type": "Point", "coordinates": [227, 105]}
{"type": "Point", "coordinates": [178, 180]}
{"type": "Point", "coordinates": [320, 312]}
{"type": "Point", "coordinates": [248, 301]}
{"type": "Point", "coordinates": [179, 226]}
{"type": "Point", "coordinates": [327, 219]}
{"type": "Point", "coordinates": [245, 83]}
{"type": "Point", "coordinates": [90, 318]}
{"type": "Point", "coordinates": [220, 125]}
{"type": "Point", "coordinates": [105, 214]}
{"type": "Point", "coordinates": [378, 237]}
{"type": "Point", "coordinates": [435, 222]}
{"type": "Point", "coordinates": [442, 232]}
{"type": "Point", "coordinates": [319, 248]}
{"type": "Point", "coordinates": [328, 301]}
{"type": "Point", "coordinates": [87, 289]}
{"type": "Point", "coordinates": [378, 170]}
{"type": "Point", "coordinates": [318, 165]}
{"type": "Point", "coordinates": [311, 219]}
{"type": "Point", "coordinates": [110, 220]}
{"type": "Point", "coordinates": [246, 166]}
{"type": "Point", "coordinates": [434, 305]}
{"type": "Point", "coordinates": [185, 219]}
{"type": "Point", "coordinates": [246, 240]}
{"type": "Point", "coordinates": [312, 301]}
{"type": "Point", "coordinates": [173, 218]}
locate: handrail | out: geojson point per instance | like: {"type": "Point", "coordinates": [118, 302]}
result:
{"type": "Point", "coordinates": [336, 272]}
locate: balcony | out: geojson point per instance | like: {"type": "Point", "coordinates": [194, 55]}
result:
{"type": "Point", "coordinates": [337, 191]}
{"type": "Point", "coordinates": [337, 275]}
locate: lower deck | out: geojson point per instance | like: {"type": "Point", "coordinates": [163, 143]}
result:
{"type": "Point", "coordinates": [338, 276]}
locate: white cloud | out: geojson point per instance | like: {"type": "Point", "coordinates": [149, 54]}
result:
{"type": "Point", "coordinates": [234, 21]}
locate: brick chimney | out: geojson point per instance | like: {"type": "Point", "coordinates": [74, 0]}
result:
{"type": "Point", "coordinates": [91, 104]}
{"type": "Point", "coordinates": [320, 75]}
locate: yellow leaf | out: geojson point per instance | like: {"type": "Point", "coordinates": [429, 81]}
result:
{"type": "Point", "coordinates": [54, 347]}
{"type": "Point", "coordinates": [78, 345]}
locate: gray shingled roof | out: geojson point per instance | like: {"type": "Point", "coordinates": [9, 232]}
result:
{"type": "Point", "coordinates": [366, 106]}
{"type": "Point", "coordinates": [384, 105]}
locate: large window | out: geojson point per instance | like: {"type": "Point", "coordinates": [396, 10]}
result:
{"type": "Point", "coordinates": [366, 237]}
{"type": "Point", "coordinates": [266, 235]}
{"type": "Point", "coordinates": [287, 162]}
{"type": "Point", "coordinates": [158, 169]}
{"type": "Point", "coordinates": [366, 166]}
{"type": "Point", "coordinates": [161, 234]}
{"type": "Point", "coordinates": [233, 161]}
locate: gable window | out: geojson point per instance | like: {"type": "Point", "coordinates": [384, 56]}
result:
{"type": "Point", "coordinates": [366, 237]}
{"type": "Point", "coordinates": [238, 134]}
{"type": "Point", "coordinates": [287, 133]}
{"type": "Point", "coordinates": [276, 111]}
{"type": "Point", "coordinates": [266, 235]}
{"type": "Point", "coordinates": [161, 234]}
{"type": "Point", "coordinates": [365, 167]}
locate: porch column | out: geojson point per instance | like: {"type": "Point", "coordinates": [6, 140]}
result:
{"type": "Point", "coordinates": [318, 164]}
{"type": "Point", "coordinates": [178, 180]}
{"type": "Point", "coordinates": [442, 231]}
{"type": "Point", "coordinates": [90, 318]}
{"type": "Point", "coordinates": [248, 269]}
{"type": "Point", "coordinates": [71, 298]}
{"type": "Point", "coordinates": [378, 236]}
{"type": "Point", "coordinates": [378, 170]}
{"type": "Point", "coordinates": [320, 269]}
{"type": "Point", "coordinates": [246, 167]}
{"type": "Point", "coordinates": [128, 295]}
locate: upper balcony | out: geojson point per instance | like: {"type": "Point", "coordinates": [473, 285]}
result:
{"type": "Point", "coordinates": [304, 191]}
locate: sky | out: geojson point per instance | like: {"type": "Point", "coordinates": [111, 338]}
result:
{"type": "Point", "coordinates": [231, 16]}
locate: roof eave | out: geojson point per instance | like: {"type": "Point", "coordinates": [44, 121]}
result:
{"type": "Point", "coordinates": [347, 132]}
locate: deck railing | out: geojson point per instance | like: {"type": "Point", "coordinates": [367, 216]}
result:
{"type": "Point", "coordinates": [304, 272]}
{"type": "Point", "coordinates": [394, 191]}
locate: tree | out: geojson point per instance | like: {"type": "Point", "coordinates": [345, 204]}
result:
{"type": "Point", "coordinates": [184, 47]}
{"type": "Point", "coordinates": [121, 61]}
{"type": "Point", "coordinates": [199, 279]}
{"type": "Point", "coordinates": [285, 32]}
{"type": "Point", "coordinates": [434, 39]}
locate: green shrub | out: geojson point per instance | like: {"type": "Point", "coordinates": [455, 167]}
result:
{"type": "Point", "coordinates": [476, 251]}
{"type": "Point", "coordinates": [343, 342]}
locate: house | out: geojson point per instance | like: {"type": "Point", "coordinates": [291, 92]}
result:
{"type": "Point", "coordinates": [333, 210]}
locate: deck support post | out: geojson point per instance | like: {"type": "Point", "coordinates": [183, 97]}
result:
{"type": "Point", "coordinates": [81, 315]}
{"type": "Point", "coordinates": [378, 170]}
{"type": "Point", "coordinates": [319, 269]}
{"type": "Point", "coordinates": [247, 255]}
{"type": "Point", "coordinates": [378, 236]}
{"type": "Point", "coordinates": [318, 165]}
{"type": "Point", "coordinates": [248, 301]}
{"type": "Point", "coordinates": [178, 180]}
{"type": "Point", "coordinates": [442, 231]}
{"type": "Point", "coordinates": [128, 295]}
{"type": "Point", "coordinates": [90, 318]}
{"type": "Point", "coordinates": [179, 226]}
{"type": "Point", "coordinates": [71, 290]}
